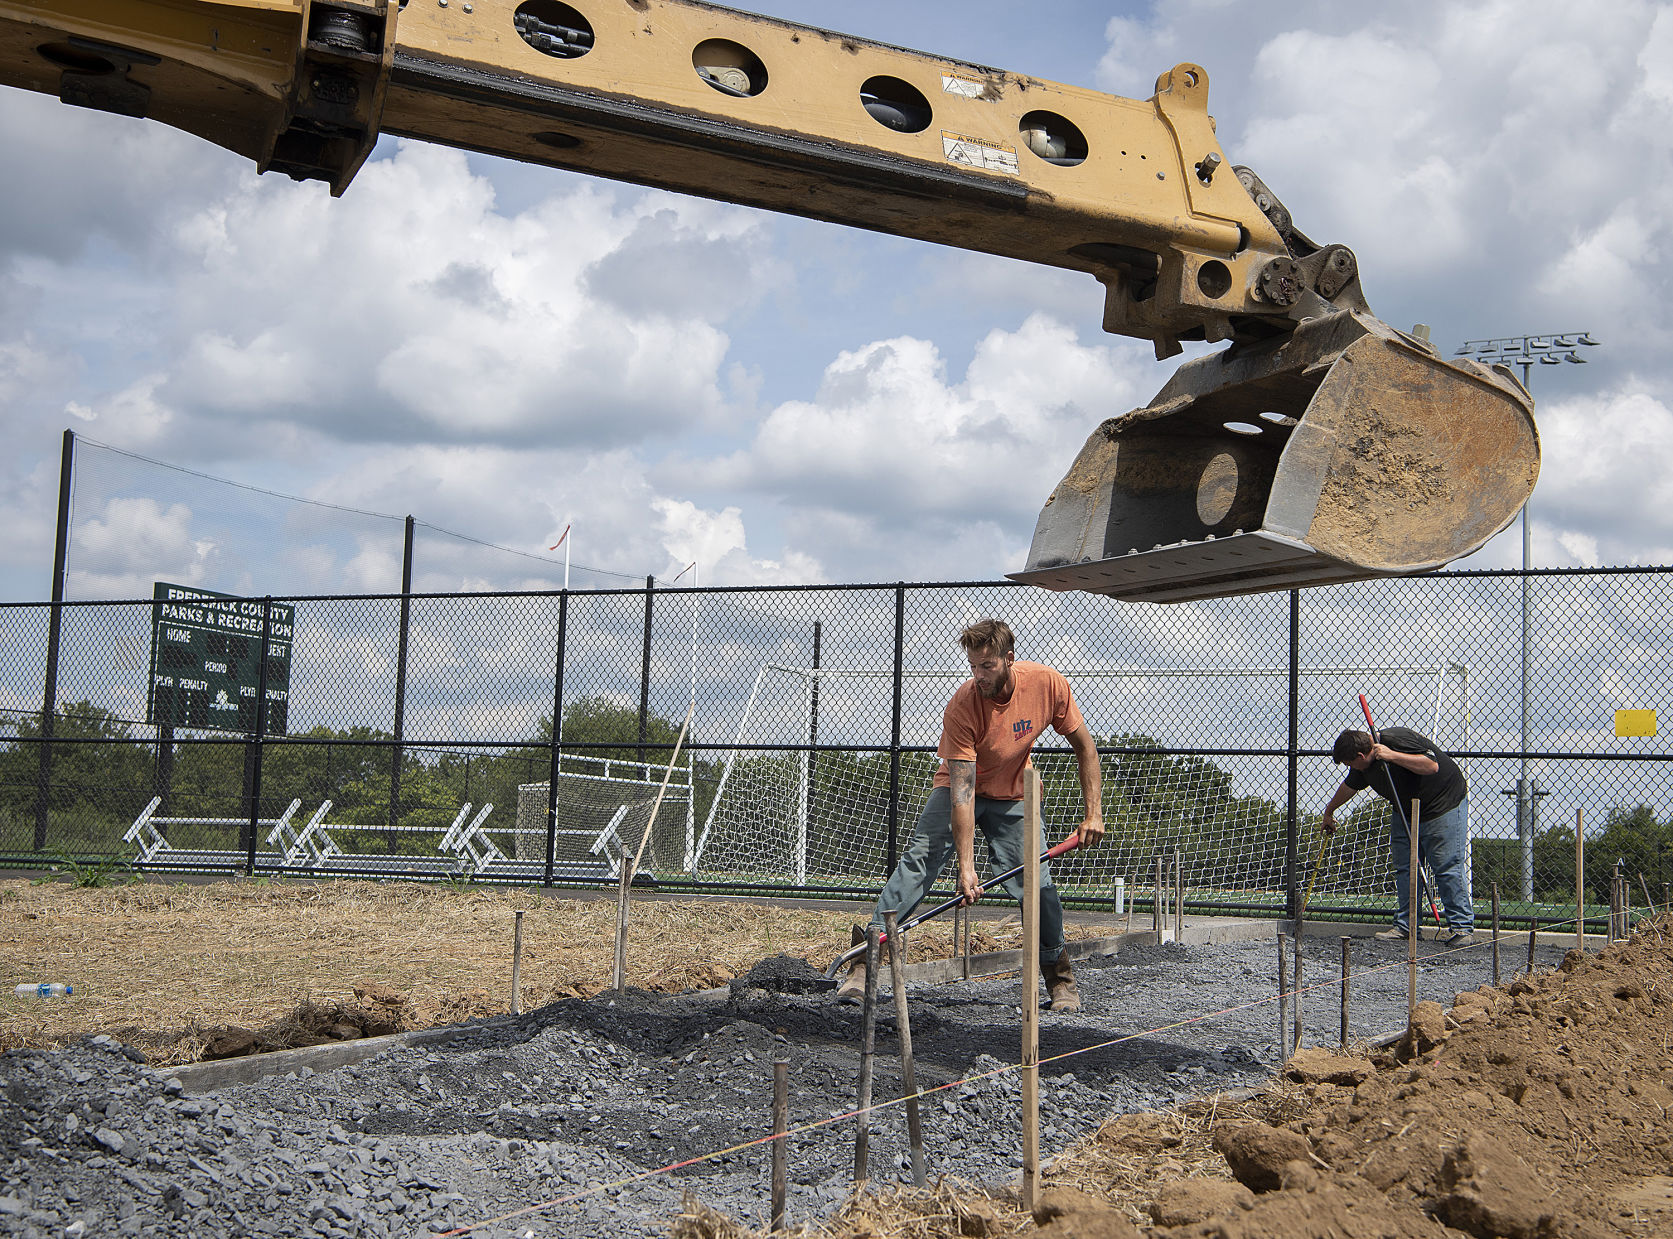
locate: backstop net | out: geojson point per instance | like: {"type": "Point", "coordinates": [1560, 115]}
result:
{"type": "Point", "coordinates": [1193, 761]}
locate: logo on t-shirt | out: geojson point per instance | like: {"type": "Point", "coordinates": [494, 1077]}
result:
{"type": "Point", "coordinates": [1021, 728]}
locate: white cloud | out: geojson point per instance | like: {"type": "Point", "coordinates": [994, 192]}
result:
{"type": "Point", "coordinates": [130, 543]}
{"type": "Point", "coordinates": [890, 435]}
{"type": "Point", "coordinates": [716, 543]}
{"type": "Point", "coordinates": [504, 350]}
{"type": "Point", "coordinates": [1606, 492]}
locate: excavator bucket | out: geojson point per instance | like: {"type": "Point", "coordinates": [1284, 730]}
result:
{"type": "Point", "coordinates": [1346, 450]}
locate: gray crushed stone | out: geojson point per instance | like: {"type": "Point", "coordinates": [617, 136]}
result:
{"type": "Point", "coordinates": [593, 1100]}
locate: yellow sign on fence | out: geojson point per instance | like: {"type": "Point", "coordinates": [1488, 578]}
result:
{"type": "Point", "coordinates": [1635, 722]}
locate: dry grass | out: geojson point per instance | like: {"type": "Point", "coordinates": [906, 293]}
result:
{"type": "Point", "coordinates": [166, 965]}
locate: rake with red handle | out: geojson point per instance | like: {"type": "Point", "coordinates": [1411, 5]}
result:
{"type": "Point", "coordinates": [1423, 869]}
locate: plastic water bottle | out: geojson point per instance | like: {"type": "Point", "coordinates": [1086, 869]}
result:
{"type": "Point", "coordinates": [45, 990]}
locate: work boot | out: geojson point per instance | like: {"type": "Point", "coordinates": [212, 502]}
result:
{"type": "Point", "coordinates": [853, 987]}
{"type": "Point", "coordinates": [1060, 982]}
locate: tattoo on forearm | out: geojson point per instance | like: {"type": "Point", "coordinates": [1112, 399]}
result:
{"type": "Point", "coordinates": [962, 776]}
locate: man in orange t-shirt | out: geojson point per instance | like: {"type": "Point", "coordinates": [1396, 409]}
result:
{"type": "Point", "coordinates": [987, 732]}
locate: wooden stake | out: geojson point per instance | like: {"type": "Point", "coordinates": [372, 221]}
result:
{"type": "Point", "coordinates": [1579, 879]}
{"type": "Point", "coordinates": [1156, 910]}
{"type": "Point", "coordinates": [1344, 995]}
{"type": "Point", "coordinates": [868, 1046]}
{"type": "Point", "coordinates": [517, 965]}
{"type": "Point", "coordinates": [630, 861]}
{"type": "Point", "coordinates": [1648, 902]}
{"type": "Point", "coordinates": [1295, 1041]}
{"type": "Point", "coordinates": [667, 773]}
{"type": "Point", "coordinates": [1031, 990]}
{"type": "Point", "coordinates": [1614, 902]}
{"type": "Point", "coordinates": [1413, 881]}
{"type": "Point", "coordinates": [781, 1124]}
{"type": "Point", "coordinates": [908, 1070]}
{"type": "Point", "coordinates": [1533, 935]}
{"type": "Point", "coordinates": [619, 976]}
{"type": "Point", "coordinates": [1283, 992]}
{"type": "Point", "coordinates": [1179, 896]}
{"type": "Point", "coordinates": [1495, 933]}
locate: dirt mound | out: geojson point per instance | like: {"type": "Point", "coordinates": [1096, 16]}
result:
{"type": "Point", "coordinates": [375, 1011]}
{"type": "Point", "coordinates": [1537, 1110]}
{"type": "Point", "coordinates": [783, 974]}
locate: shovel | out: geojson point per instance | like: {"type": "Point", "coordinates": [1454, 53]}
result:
{"type": "Point", "coordinates": [853, 953]}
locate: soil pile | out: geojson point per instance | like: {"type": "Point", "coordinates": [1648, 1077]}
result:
{"type": "Point", "coordinates": [1534, 1111]}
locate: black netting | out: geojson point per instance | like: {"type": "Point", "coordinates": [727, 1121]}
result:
{"type": "Point", "coordinates": [416, 735]}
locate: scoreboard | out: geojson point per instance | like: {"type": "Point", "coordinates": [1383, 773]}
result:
{"type": "Point", "coordinates": [206, 660]}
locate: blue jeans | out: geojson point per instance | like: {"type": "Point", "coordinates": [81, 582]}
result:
{"type": "Point", "coordinates": [1443, 843]}
{"type": "Point", "coordinates": [1000, 822]}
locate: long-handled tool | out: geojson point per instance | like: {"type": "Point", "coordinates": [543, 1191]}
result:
{"type": "Point", "coordinates": [850, 955]}
{"type": "Point", "coordinates": [1422, 875]}
{"type": "Point", "coordinates": [1318, 858]}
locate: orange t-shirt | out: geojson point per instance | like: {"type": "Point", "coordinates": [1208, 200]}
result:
{"type": "Point", "coordinates": [998, 737]}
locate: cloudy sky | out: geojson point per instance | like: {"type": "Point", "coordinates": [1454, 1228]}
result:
{"type": "Point", "coordinates": [502, 351]}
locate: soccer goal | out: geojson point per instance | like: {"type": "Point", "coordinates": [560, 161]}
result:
{"type": "Point", "coordinates": [603, 805]}
{"type": "Point", "coordinates": [1197, 763]}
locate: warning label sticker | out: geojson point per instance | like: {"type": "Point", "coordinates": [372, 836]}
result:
{"type": "Point", "coordinates": [979, 153]}
{"type": "Point", "coordinates": [968, 87]}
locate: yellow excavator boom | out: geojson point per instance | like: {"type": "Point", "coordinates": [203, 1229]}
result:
{"type": "Point", "coordinates": [1319, 445]}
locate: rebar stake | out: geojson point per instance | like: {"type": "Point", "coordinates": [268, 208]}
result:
{"type": "Point", "coordinates": [517, 964]}
{"type": "Point", "coordinates": [1533, 935]}
{"type": "Point", "coordinates": [1344, 995]}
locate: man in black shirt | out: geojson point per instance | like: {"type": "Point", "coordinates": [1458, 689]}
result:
{"type": "Point", "coordinates": [1402, 766]}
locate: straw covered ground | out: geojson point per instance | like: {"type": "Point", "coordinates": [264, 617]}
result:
{"type": "Point", "coordinates": [169, 967]}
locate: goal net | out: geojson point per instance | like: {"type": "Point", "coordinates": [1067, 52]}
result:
{"type": "Point", "coordinates": [603, 805]}
{"type": "Point", "coordinates": [1196, 763]}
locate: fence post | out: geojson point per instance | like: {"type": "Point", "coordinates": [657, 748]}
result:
{"type": "Point", "coordinates": [395, 753]}
{"type": "Point", "coordinates": [163, 778]}
{"type": "Point", "coordinates": [557, 739]}
{"type": "Point", "coordinates": [49, 691]}
{"type": "Point", "coordinates": [893, 852]}
{"type": "Point", "coordinates": [255, 746]}
{"type": "Point", "coordinates": [645, 677]}
{"type": "Point", "coordinates": [812, 731]}
{"type": "Point", "coordinates": [1292, 819]}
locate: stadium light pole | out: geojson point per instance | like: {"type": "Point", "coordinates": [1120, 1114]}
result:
{"type": "Point", "coordinates": [1525, 351]}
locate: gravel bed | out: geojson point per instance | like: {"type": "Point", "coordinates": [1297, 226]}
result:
{"type": "Point", "coordinates": [581, 1095]}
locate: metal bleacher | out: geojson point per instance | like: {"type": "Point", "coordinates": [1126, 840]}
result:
{"type": "Point", "coordinates": [465, 848]}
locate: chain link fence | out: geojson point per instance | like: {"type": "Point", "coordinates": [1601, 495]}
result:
{"type": "Point", "coordinates": [417, 738]}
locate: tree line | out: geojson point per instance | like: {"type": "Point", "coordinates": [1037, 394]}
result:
{"type": "Point", "coordinates": [1153, 802]}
